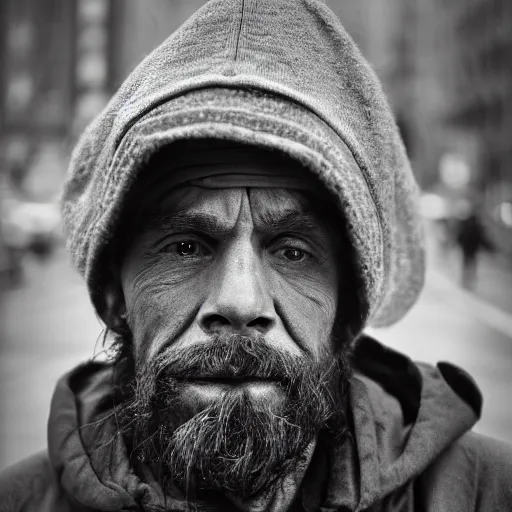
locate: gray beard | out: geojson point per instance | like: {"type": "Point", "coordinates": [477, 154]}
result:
{"type": "Point", "coordinates": [234, 445]}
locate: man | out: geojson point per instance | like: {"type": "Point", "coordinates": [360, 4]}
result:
{"type": "Point", "coordinates": [471, 238]}
{"type": "Point", "coordinates": [241, 211]}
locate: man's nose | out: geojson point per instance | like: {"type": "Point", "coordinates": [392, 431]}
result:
{"type": "Point", "coordinates": [239, 301]}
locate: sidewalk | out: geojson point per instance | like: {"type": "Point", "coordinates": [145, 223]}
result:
{"type": "Point", "coordinates": [493, 278]}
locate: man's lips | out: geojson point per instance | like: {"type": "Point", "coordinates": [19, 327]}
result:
{"type": "Point", "coordinates": [229, 381]}
{"type": "Point", "coordinates": [206, 389]}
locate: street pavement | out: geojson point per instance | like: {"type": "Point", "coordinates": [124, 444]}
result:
{"type": "Point", "coordinates": [48, 326]}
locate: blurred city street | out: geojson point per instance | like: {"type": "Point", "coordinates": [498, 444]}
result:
{"type": "Point", "coordinates": [48, 326]}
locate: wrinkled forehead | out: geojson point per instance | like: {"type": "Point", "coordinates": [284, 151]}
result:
{"type": "Point", "coordinates": [232, 204]}
{"type": "Point", "coordinates": [213, 178]}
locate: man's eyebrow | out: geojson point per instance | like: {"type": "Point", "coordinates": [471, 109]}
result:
{"type": "Point", "coordinates": [294, 221]}
{"type": "Point", "coordinates": [184, 220]}
{"type": "Point", "coordinates": [290, 220]}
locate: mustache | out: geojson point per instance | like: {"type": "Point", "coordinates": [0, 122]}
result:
{"type": "Point", "coordinates": [232, 356]}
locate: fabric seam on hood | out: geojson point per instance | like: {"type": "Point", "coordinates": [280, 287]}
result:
{"type": "Point", "coordinates": [239, 30]}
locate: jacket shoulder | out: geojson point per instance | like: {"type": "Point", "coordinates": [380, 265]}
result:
{"type": "Point", "coordinates": [473, 473]}
{"type": "Point", "coordinates": [31, 486]}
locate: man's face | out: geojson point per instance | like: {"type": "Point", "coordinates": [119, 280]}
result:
{"type": "Point", "coordinates": [231, 296]}
{"type": "Point", "coordinates": [232, 261]}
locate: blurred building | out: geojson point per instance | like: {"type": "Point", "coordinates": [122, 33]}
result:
{"type": "Point", "coordinates": [36, 96]}
{"type": "Point", "coordinates": [54, 78]}
{"type": "Point", "coordinates": [54, 64]}
{"type": "Point", "coordinates": [37, 77]}
{"type": "Point", "coordinates": [480, 80]}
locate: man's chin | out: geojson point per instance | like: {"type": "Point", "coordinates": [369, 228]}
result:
{"type": "Point", "coordinates": [241, 439]}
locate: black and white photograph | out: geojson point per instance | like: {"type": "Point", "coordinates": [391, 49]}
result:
{"type": "Point", "coordinates": [255, 255]}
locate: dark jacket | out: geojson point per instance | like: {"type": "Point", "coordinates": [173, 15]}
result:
{"type": "Point", "coordinates": [410, 449]}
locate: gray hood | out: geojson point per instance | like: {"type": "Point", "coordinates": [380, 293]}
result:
{"type": "Point", "coordinates": [282, 74]}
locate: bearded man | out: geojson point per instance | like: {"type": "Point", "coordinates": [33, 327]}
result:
{"type": "Point", "coordinates": [241, 211]}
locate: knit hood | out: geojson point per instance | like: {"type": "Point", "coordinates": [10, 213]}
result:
{"type": "Point", "coordinates": [404, 416]}
{"type": "Point", "coordinates": [279, 74]}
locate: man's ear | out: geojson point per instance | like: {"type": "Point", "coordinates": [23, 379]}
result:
{"type": "Point", "coordinates": [114, 306]}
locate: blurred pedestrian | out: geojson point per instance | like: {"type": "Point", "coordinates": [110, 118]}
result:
{"type": "Point", "coordinates": [471, 238]}
{"type": "Point", "coordinates": [241, 211]}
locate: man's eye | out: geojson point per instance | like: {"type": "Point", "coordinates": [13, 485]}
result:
{"type": "Point", "coordinates": [186, 248]}
{"type": "Point", "coordinates": [293, 254]}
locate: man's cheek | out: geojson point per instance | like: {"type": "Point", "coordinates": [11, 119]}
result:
{"type": "Point", "coordinates": [308, 307]}
{"type": "Point", "coordinates": [158, 312]}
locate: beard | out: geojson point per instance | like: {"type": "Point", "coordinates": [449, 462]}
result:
{"type": "Point", "coordinates": [236, 443]}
